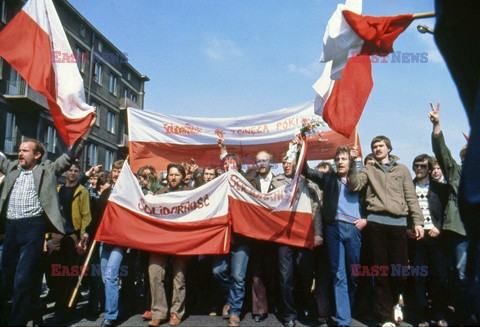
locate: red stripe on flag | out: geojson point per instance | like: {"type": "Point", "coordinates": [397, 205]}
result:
{"type": "Point", "coordinates": [379, 33]}
{"type": "Point", "coordinates": [130, 229]}
{"type": "Point", "coordinates": [349, 96]}
{"type": "Point", "coordinates": [26, 47]}
{"type": "Point", "coordinates": [159, 155]}
{"type": "Point", "coordinates": [285, 227]}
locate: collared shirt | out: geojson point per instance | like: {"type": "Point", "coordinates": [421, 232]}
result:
{"type": "Point", "coordinates": [265, 182]}
{"type": "Point", "coordinates": [24, 202]}
{"type": "Point", "coordinates": [422, 192]}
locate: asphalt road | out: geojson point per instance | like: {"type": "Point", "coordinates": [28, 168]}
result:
{"type": "Point", "coordinates": [82, 318]}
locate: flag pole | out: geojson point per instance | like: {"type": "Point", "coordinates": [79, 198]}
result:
{"type": "Point", "coordinates": [225, 240]}
{"type": "Point", "coordinates": [84, 268]}
{"type": "Point", "coordinates": [424, 15]}
{"type": "Point", "coordinates": [355, 142]}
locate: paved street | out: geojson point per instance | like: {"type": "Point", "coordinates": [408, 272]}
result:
{"type": "Point", "coordinates": [81, 318]}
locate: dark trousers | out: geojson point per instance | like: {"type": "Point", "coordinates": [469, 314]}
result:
{"type": "Point", "coordinates": [323, 283]}
{"type": "Point", "coordinates": [428, 253]}
{"type": "Point", "coordinates": [22, 250]}
{"type": "Point", "coordinates": [62, 251]}
{"type": "Point", "coordinates": [293, 261]}
{"type": "Point", "coordinates": [389, 247]}
{"type": "Point", "coordinates": [263, 258]}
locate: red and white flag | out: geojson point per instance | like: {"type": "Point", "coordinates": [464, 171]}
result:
{"type": "Point", "coordinates": [158, 139]}
{"type": "Point", "coordinates": [28, 43]}
{"type": "Point", "coordinates": [200, 221]}
{"type": "Point", "coordinates": [346, 82]}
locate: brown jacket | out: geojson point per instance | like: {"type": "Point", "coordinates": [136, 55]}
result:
{"type": "Point", "coordinates": [389, 192]}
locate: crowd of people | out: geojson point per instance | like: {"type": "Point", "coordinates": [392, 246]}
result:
{"type": "Point", "coordinates": [387, 247]}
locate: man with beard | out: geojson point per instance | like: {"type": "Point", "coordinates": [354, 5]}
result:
{"type": "Point", "coordinates": [30, 203]}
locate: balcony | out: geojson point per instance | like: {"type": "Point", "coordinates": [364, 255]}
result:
{"type": "Point", "coordinates": [14, 88]}
{"type": "Point", "coordinates": [123, 141]}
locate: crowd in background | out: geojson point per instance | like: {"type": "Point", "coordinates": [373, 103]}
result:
{"type": "Point", "coordinates": [366, 217]}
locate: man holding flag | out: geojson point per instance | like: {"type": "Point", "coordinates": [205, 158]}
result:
{"type": "Point", "coordinates": [30, 203]}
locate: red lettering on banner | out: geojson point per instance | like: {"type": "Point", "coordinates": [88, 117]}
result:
{"type": "Point", "coordinates": [287, 123]}
{"type": "Point", "coordinates": [252, 130]}
{"type": "Point", "coordinates": [186, 129]}
{"type": "Point", "coordinates": [183, 208]}
{"type": "Point", "coordinates": [240, 186]}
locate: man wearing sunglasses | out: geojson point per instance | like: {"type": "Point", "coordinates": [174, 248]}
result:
{"type": "Point", "coordinates": [432, 198]}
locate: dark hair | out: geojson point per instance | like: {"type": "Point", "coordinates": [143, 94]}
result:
{"type": "Point", "coordinates": [422, 157]}
{"type": "Point", "coordinates": [103, 178]}
{"type": "Point", "coordinates": [38, 147]}
{"type": "Point", "coordinates": [235, 157]}
{"type": "Point", "coordinates": [118, 164]}
{"type": "Point", "coordinates": [344, 149]}
{"type": "Point", "coordinates": [179, 167]}
{"type": "Point", "coordinates": [368, 157]}
{"type": "Point", "coordinates": [141, 170]}
{"type": "Point", "coordinates": [325, 164]}
{"type": "Point", "coordinates": [76, 164]}
{"type": "Point", "coordinates": [434, 161]}
{"type": "Point", "coordinates": [381, 138]}
{"type": "Point", "coordinates": [210, 167]}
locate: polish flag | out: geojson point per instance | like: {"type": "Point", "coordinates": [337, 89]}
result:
{"type": "Point", "coordinates": [157, 139]}
{"type": "Point", "coordinates": [28, 43]}
{"type": "Point", "coordinates": [346, 82]}
{"type": "Point", "coordinates": [201, 221]}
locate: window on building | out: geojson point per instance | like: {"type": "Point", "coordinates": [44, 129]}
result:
{"type": "Point", "coordinates": [133, 97]}
{"type": "Point", "coordinates": [81, 57]}
{"type": "Point", "coordinates": [15, 85]}
{"type": "Point", "coordinates": [96, 105]}
{"type": "Point", "coordinates": [97, 73]}
{"type": "Point", "coordinates": [109, 159]}
{"type": "Point", "coordinates": [3, 12]}
{"type": "Point", "coordinates": [125, 93]}
{"type": "Point", "coordinates": [92, 154]}
{"type": "Point", "coordinates": [129, 76]}
{"type": "Point", "coordinates": [111, 120]}
{"type": "Point", "coordinates": [100, 46]}
{"type": "Point", "coordinates": [112, 86]}
{"type": "Point", "coordinates": [9, 133]}
{"type": "Point", "coordinates": [51, 139]}
{"type": "Point", "coordinates": [83, 30]}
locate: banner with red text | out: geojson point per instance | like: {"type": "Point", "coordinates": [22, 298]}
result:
{"type": "Point", "coordinates": [157, 139]}
{"type": "Point", "coordinates": [200, 221]}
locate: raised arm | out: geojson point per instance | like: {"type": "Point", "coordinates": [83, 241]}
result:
{"type": "Point", "coordinates": [64, 161]}
{"type": "Point", "coordinates": [357, 180]}
{"type": "Point", "coordinates": [450, 168]}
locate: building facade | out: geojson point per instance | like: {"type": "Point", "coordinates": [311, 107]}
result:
{"type": "Point", "coordinates": [110, 81]}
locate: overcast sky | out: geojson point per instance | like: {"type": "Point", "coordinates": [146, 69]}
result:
{"type": "Point", "coordinates": [226, 58]}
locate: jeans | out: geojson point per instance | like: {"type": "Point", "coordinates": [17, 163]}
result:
{"type": "Point", "coordinates": [22, 250]}
{"type": "Point", "coordinates": [230, 272]}
{"type": "Point", "coordinates": [290, 260]}
{"type": "Point", "coordinates": [344, 242]}
{"type": "Point", "coordinates": [111, 257]}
